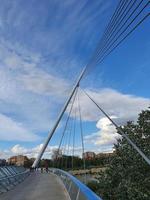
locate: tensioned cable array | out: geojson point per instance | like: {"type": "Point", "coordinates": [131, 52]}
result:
{"type": "Point", "coordinates": [128, 16]}
{"type": "Point", "coordinates": [66, 124]}
{"type": "Point", "coordinates": [73, 138]}
{"type": "Point", "coordinates": [76, 97]}
{"type": "Point", "coordinates": [119, 130]}
{"type": "Point", "coordinates": [68, 138]}
{"type": "Point", "coordinates": [82, 139]}
{"type": "Point", "coordinates": [117, 26]}
{"type": "Point", "coordinates": [69, 143]}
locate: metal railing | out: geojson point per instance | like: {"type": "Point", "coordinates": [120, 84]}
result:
{"type": "Point", "coordinates": [11, 176]}
{"type": "Point", "coordinates": [76, 189]}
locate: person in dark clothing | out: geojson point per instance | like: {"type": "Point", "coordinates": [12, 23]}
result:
{"type": "Point", "coordinates": [41, 169]}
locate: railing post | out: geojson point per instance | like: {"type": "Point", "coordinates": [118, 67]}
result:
{"type": "Point", "coordinates": [74, 187]}
{"type": "Point", "coordinates": [70, 187]}
{"type": "Point", "coordinates": [77, 197]}
{"type": "Point", "coordinates": [11, 178]}
{"type": "Point", "coordinates": [66, 181]}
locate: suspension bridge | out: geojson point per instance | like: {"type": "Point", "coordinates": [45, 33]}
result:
{"type": "Point", "coordinates": [18, 183]}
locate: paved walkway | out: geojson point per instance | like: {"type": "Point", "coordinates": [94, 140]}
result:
{"type": "Point", "coordinates": [37, 187]}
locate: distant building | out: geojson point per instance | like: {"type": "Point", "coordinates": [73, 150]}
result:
{"type": "Point", "coordinates": [2, 162]}
{"type": "Point", "coordinates": [19, 160]}
{"type": "Point", "coordinates": [12, 160]}
{"type": "Point", "coordinates": [88, 155]}
{"type": "Point", "coordinates": [105, 155]}
{"type": "Point", "coordinates": [57, 153]}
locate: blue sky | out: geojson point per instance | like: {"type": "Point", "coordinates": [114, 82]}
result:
{"type": "Point", "coordinates": [43, 47]}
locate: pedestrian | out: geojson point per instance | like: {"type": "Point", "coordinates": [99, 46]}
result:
{"type": "Point", "coordinates": [41, 169]}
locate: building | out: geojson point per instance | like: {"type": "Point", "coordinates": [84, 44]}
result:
{"type": "Point", "coordinates": [105, 155]}
{"type": "Point", "coordinates": [12, 160]}
{"type": "Point", "coordinates": [19, 160]}
{"type": "Point", "coordinates": [88, 155]}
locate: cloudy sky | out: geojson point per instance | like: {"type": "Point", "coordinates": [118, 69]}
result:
{"type": "Point", "coordinates": [43, 47]}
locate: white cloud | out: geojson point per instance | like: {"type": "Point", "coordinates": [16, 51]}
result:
{"type": "Point", "coordinates": [40, 82]}
{"type": "Point", "coordinates": [123, 106]}
{"type": "Point", "coordinates": [27, 93]}
{"type": "Point", "coordinates": [13, 130]}
{"type": "Point", "coordinates": [24, 69]}
{"type": "Point", "coordinates": [33, 152]}
{"type": "Point", "coordinates": [30, 152]}
{"type": "Point", "coordinates": [106, 136]}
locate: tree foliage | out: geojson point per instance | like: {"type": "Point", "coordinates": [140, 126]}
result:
{"type": "Point", "coordinates": [128, 176]}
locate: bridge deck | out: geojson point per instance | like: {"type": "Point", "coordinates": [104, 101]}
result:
{"type": "Point", "coordinates": [38, 186]}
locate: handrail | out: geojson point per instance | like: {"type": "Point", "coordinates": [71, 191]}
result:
{"type": "Point", "coordinates": [82, 189]}
{"type": "Point", "coordinates": [12, 176]}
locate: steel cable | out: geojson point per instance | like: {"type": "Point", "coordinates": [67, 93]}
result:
{"type": "Point", "coordinates": [82, 140]}
{"type": "Point", "coordinates": [66, 124]}
{"type": "Point", "coordinates": [97, 57]}
{"type": "Point", "coordinates": [105, 50]}
{"type": "Point", "coordinates": [119, 130]}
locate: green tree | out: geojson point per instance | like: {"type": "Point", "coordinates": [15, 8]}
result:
{"type": "Point", "coordinates": [128, 176]}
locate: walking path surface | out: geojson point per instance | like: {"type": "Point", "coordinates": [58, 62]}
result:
{"type": "Point", "coordinates": [38, 186]}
